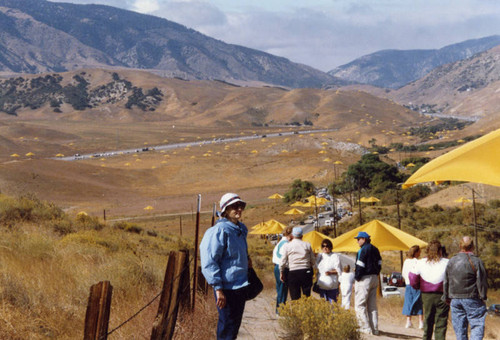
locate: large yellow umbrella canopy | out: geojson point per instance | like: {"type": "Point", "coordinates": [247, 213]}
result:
{"type": "Point", "coordinates": [475, 162]}
{"type": "Point", "coordinates": [313, 201]}
{"type": "Point", "coordinates": [297, 204]}
{"type": "Point", "coordinates": [370, 199]}
{"type": "Point", "coordinates": [275, 197]}
{"type": "Point", "coordinates": [294, 211]}
{"type": "Point", "coordinates": [315, 238]}
{"type": "Point", "coordinates": [259, 226]}
{"type": "Point", "coordinates": [269, 227]}
{"type": "Point", "coordinates": [382, 235]}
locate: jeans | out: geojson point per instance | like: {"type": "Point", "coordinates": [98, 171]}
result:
{"type": "Point", "coordinates": [465, 312]}
{"type": "Point", "coordinates": [230, 316]}
{"type": "Point", "coordinates": [435, 316]}
{"type": "Point", "coordinates": [281, 288]}
{"type": "Point", "coordinates": [329, 295]}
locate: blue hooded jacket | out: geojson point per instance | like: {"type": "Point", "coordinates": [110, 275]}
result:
{"type": "Point", "coordinates": [224, 255]}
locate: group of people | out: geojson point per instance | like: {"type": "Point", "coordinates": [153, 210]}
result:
{"type": "Point", "coordinates": [436, 284]}
{"type": "Point", "coordinates": [295, 261]}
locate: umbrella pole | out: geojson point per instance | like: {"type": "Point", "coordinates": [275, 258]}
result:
{"type": "Point", "coordinates": [399, 224]}
{"type": "Point", "coordinates": [195, 265]}
{"type": "Point", "coordinates": [475, 220]}
{"type": "Point", "coordinates": [359, 207]}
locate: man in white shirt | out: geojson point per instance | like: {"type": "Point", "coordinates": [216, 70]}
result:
{"type": "Point", "coordinates": [299, 258]}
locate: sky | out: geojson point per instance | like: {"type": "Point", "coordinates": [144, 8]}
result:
{"type": "Point", "coordinates": [325, 34]}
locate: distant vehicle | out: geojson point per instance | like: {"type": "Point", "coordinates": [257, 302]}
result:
{"type": "Point", "coordinates": [310, 217]}
{"type": "Point", "coordinates": [264, 136]}
{"type": "Point", "coordinates": [329, 223]}
{"type": "Point", "coordinates": [388, 291]}
{"type": "Point", "coordinates": [320, 216]}
{"type": "Point", "coordinates": [396, 279]}
{"type": "Point", "coordinates": [494, 310]}
{"type": "Point", "coordinates": [302, 223]}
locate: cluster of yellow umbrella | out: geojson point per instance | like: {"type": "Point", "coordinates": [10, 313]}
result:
{"type": "Point", "coordinates": [269, 227]}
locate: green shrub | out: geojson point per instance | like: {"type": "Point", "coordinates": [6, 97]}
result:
{"type": "Point", "coordinates": [311, 318]}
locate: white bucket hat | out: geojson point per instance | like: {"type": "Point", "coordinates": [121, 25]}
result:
{"type": "Point", "coordinates": [228, 199]}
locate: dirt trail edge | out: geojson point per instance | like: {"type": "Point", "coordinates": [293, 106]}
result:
{"type": "Point", "coordinates": [261, 322]}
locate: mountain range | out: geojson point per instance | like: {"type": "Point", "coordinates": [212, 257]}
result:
{"type": "Point", "coordinates": [38, 36]}
{"type": "Point", "coordinates": [396, 68]}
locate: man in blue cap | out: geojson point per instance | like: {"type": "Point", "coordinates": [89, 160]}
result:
{"type": "Point", "coordinates": [368, 266]}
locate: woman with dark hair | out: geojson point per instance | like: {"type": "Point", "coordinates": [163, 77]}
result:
{"type": "Point", "coordinates": [428, 277]}
{"type": "Point", "coordinates": [329, 269]}
{"type": "Point", "coordinates": [413, 300]}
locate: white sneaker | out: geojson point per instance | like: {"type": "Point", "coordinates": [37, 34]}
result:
{"type": "Point", "coordinates": [420, 325]}
{"type": "Point", "coordinates": [408, 324]}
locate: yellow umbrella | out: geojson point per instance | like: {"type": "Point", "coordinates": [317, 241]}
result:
{"type": "Point", "coordinates": [315, 238]}
{"type": "Point", "coordinates": [410, 165]}
{"type": "Point", "coordinates": [275, 197]}
{"type": "Point", "coordinates": [382, 235]}
{"type": "Point", "coordinates": [59, 155]}
{"type": "Point", "coordinates": [314, 201]}
{"type": "Point", "coordinates": [29, 154]}
{"type": "Point", "coordinates": [462, 200]}
{"type": "Point", "coordinates": [14, 155]}
{"type": "Point", "coordinates": [294, 211]}
{"type": "Point", "coordinates": [471, 162]}
{"type": "Point", "coordinates": [269, 227]}
{"type": "Point", "coordinates": [297, 204]}
{"type": "Point", "coordinates": [149, 208]}
{"type": "Point", "coordinates": [370, 199]}
{"type": "Point", "coordinates": [259, 226]}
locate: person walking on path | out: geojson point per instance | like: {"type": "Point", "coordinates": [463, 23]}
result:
{"type": "Point", "coordinates": [298, 257]}
{"type": "Point", "coordinates": [429, 277]}
{"type": "Point", "coordinates": [225, 263]}
{"type": "Point", "coordinates": [329, 269]}
{"type": "Point", "coordinates": [465, 285]}
{"type": "Point", "coordinates": [281, 287]}
{"type": "Point", "coordinates": [346, 283]}
{"type": "Point", "coordinates": [366, 274]}
{"type": "Point", "coordinates": [413, 299]}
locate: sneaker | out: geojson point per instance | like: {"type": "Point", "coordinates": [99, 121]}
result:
{"type": "Point", "coordinates": [420, 325]}
{"type": "Point", "coordinates": [365, 331]}
{"type": "Point", "coordinates": [375, 332]}
{"type": "Point", "coordinates": [408, 324]}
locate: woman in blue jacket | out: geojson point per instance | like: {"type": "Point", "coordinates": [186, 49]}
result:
{"type": "Point", "coordinates": [224, 263]}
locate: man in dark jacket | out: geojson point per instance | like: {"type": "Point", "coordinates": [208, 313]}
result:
{"type": "Point", "coordinates": [465, 285]}
{"type": "Point", "coordinates": [368, 266]}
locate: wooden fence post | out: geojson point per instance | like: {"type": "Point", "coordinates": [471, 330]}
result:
{"type": "Point", "coordinates": [164, 324]}
{"type": "Point", "coordinates": [202, 283]}
{"type": "Point", "coordinates": [98, 310]}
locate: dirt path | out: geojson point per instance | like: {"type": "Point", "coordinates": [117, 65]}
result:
{"type": "Point", "coordinates": [260, 322]}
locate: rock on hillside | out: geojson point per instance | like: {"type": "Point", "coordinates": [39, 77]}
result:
{"type": "Point", "coordinates": [395, 68]}
{"type": "Point", "coordinates": [40, 36]}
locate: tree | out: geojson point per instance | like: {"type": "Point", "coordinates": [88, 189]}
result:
{"type": "Point", "coordinates": [299, 190]}
{"type": "Point", "coordinates": [372, 173]}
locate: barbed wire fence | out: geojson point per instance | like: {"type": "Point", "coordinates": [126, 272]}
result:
{"type": "Point", "coordinates": [175, 294]}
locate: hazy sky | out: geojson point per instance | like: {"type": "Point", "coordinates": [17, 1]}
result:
{"type": "Point", "coordinates": [327, 33]}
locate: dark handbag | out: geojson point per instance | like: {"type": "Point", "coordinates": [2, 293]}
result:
{"type": "Point", "coordinates": [315, 287]}
{"type": "Point", "coordinates": [255, 285]}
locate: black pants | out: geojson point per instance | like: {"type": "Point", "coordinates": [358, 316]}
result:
{"type": "Point", "coordinates": [300, 281]}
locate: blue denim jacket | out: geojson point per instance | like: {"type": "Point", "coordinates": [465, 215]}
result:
{"type": "Point", "coordinates": [224, 255]}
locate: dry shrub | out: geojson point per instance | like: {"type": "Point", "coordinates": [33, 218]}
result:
{"type": "Point", "coordinates": [201, 324]}
{"type": "Point", "coordinates": [311, 318]}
